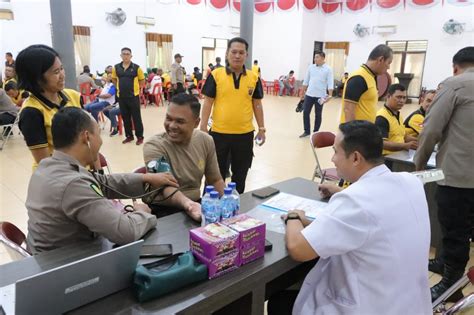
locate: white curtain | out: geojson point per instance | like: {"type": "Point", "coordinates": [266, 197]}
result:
{"type": "Point", "coordinates": [82, 46]}
{"type": "Point", "coordinates": [167, 52]}
{"type": "Point", "coordinates": [336, 59]}
{"type": "Point", "coordinates": [152, 56]}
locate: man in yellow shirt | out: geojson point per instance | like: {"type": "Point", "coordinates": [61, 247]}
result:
{"type": "Point", "coordinates": [390, 122]}
{"type": "Point", "coordinates": [256, 68]}
{"type": "Point", "coordinates": [10, 75]}
{"type": "Point", "coordinates": [128, 77]}
{"type": "Point", "coordinates": [360, 95]}
{"type": "Point", "coordinates": [234, 95]}
{"type": "Point", "coordinates": [414, 122]}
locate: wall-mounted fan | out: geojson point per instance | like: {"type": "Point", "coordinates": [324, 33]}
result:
{"type": "Point", "coordinates": [117, 17]}
{"type": "Point", "coordinates": [361, 31]}
{"type": "Point", "coordinates": [453, 27]}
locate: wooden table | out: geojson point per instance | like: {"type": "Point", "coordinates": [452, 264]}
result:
{"type": "Point", "coordinates": [240, 292]}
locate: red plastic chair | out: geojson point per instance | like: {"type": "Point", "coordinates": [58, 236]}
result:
{"type": "Point", "coordinates": [168, 91]}
{"type": "Point", "coordinates": [200, 85]}
{"type": "Point", "coordinates": [13, 238]}
{"type": "Point", "coordinates": [142, 96]}
{"type": "Point", "coordinates": [140, 170]}
{"type": "Point", "coordinates": [120, 124]}
{"type": "Point", "coordinates": [323, 139]}
{"type": "Point", "coordinates": [276, 87]}
{"type": "Point", "coordinates": [157, 94]}
{"type": "Point", "coordinates": [104, 163]}
{"type": "Point", "coordinates": [85, 90]}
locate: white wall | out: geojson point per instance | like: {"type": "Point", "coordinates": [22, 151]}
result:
{"type": "Point", "coordinates": [283, 40]}
{"type": "Point", "coordinates": [412, 24]}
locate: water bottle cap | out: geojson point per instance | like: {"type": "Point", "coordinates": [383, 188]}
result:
{"type": "Point", "coordinates": [209, 188]}
{"type": "Point", "coordinates": [228, 191]}
{"type": "Point", "coordinates": [232, 185]}
{"type": "Point", "coordinates": [214, 194]}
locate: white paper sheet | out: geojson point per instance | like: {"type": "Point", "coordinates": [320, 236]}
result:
{"type": "Point", "coordinates": [285, 202]}
{"type": "Point", "coordinates": [7, 299]}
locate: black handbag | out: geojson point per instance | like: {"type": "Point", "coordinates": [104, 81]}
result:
{"type": "Point", "coordinates": [299, 107]}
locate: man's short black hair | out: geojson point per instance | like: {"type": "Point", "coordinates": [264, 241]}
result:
{"type": "Point", "coordinates": [346, 73]}
{"type": "Point", "coordinates": [31, 65]}
{"type": "Point", "coordinates": [255, 61]}
{"type": "Point", "coordinates": [464, 57]}
{"type": "Point", "coordinates": [364, 137]}
{"type": "Point", "coordinates": [9, 54]}
{"type": "Point", "coordinates": [183, 99]}
{"type": "Point", "coordinates": [396, 87]}
{"type": "Point", "coordinates": [154, 70]}
{"type": "Point", "coordinates": [126, 48]}
{"type": "Point", "coordinates": [11, 85]}
{"type": "Point", "coordinates": [381, 51]}
{"type": "Point", "coordinates": [218, 59]}
{"type": "Point", "coordinates": [238, 40]}
{"type": "Point", "coordinates": [321, 53]}
{"type": "Point", "coordinates": [292, 72]}
{"type": "Point", "coordinates": [86, 69]}
{"type": "Point", "coordinates": [68, 123]}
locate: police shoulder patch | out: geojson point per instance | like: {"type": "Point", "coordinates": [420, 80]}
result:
{"type": "Point", "coordinates": [97, 190]}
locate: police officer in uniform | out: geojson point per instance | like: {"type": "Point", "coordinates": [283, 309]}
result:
{"type": "Point", "coordinates": [66, 203]}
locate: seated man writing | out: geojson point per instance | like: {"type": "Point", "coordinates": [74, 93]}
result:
{"type": "Point", "coordinates": [66, 203]}
{"type": "Point", "coordinates": [372, 249]}
{"type": "Point", "coordinates": [414, 122]}
{"type": "Point", "coordinates": [190, 152]}
{"type": "Point", "coordinates": [390, 122]}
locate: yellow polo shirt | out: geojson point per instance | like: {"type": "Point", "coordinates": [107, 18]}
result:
{"type": "Point", "coordinates": [361, 88]}
{"type": "Point", "coordinates": [36, 117]}
{"type": "Point", "coordinates": [232, 112]}
{"type": "Point", "coordinates": [414, 122]}
{"type": "Point", "coordinates": [391, 126]}
{"type": "Point", "coordinates": [256, 70]}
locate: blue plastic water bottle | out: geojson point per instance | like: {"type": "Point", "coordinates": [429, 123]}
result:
{"type": "Point", "coordinates": [206, 204]}
{"type": "Point", "coordinates": [236, 196]}
{"type": "Point", "coordinates": [214, 215]}
{"type": "Point", "coordinates": [227, 204]}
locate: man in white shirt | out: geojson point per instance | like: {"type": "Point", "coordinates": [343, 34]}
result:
{"type": "Point", "coordinates": [317, 90]}
{"type": "Point", "coordinates": [104, 99]}
{"type": "Point", "coordinates": [373, 237]}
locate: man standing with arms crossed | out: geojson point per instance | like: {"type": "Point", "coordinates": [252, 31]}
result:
{"type": "Point", "coordinates": [128, 77]}
{"type": "Point", "coordinates": [317, 82]}
{"type": "Point", "coordinates": [234, 95]}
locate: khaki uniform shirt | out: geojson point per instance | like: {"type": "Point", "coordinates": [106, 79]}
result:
{"type": "Point", "coordinates": [190, 162]}
{"type": "Point", "coordinates": [177, 73]}
{"type": "Point", "coordinates": [449, 121]}
{"type": "Point", "coordinates": [67, 204]}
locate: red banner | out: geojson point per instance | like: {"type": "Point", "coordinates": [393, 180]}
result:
{"type": "Point", "coordinates": [286, 4]}
{"type": "Point", "coordinates": [193, 2]}
{"type": "Point", "coordinates": [263, 7]}
{"type": "Point", "coordinates": [387, 4]}
{"type": "Point", "coordinates": [310, 4]}
{"type": "Point", "coordinates": [218, 4]}
{"type": "Point", "coordinates": [356, 5]}
{"type": "Point", "coordinates": [330, 7]}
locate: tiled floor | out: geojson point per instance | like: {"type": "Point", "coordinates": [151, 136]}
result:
{"type": "Point", "coordinates": [283, 156]}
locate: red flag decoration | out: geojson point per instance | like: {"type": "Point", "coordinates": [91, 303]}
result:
{"type": "Point", "coordinates": [330, 6]}
{"type": "Point", "coordinates": [356, 5]}
{"type": "Point", "coordinates": [310, 4]}
{"type": "Point", "coordinates": [193, 2]}
{"type": "Point", "coordinates": [423, 3]}
{"type": "Point", "coordinates": [387, 4]}
{"type": "Point", "coordinates": [218, 4]}
{"type": "Point", "coordinates": [286, 4]}
{"type": "Point", "coordinates": [263, 6]}
{"type": "Point", "coordinates": [461, 2]}
{"type": "Point", "coordinates": [236, 5]}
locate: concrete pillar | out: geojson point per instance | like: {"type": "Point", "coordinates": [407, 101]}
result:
{"type": "Point", "coordinates": [63, 38]}
{"type": "Point", "coordinates": [246, 27]}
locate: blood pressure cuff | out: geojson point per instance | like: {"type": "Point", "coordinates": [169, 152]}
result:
{"type": "Point", "coordinates": [160, 165]}
{"type": "Point", "coordinates": [167, 275]}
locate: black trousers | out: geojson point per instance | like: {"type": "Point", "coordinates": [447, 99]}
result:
{"type": "Point", "coordinates": [455, 211]}
{"type": "Point", "coordinates": [130, 109]}
{"type": "Point", "coordinates": [282, 302]}
{"type": "Point", "coordinates": [240, 148]}
{"type": "Point", "coordinates": [6, 119]}
{"type": "Point", "coordinates": [318, 111]}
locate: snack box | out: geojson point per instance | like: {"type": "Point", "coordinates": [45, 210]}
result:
{"type": "Point", "coordinates": [213, 240]}
{"type": "Point", "coordinates": [220, 265]}
{"type": "Point", "coordinates": [251, 252]}
{"type": "Point", "coordinates": [250, 230]}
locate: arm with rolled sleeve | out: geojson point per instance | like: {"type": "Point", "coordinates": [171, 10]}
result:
{"type": "Point", "coordinates": [83, 204]}
{"type": "Point", "coordinates": [342, 227]}
{"type": "Point", "coordinates": [434, 125]}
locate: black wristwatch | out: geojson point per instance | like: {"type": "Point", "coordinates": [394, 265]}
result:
{"type": "Point", "coordinates": [292, 216]}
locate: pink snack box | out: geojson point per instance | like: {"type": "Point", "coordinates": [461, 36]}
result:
{"type": "Point", "coordinates": [221, 265]}
{"type": "Point", "coordinates": [213, 240]}
{"type": "Point", "coordinates": [252, 252]}
{"type": "Point", "coordinates": [250, 230]}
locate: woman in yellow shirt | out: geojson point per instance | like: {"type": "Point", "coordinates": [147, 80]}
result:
{"type": "Point", "coordinates": [41, 73]}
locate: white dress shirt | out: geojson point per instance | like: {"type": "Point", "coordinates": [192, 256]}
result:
{"type": "Point", "coordinates": [373, 240]}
